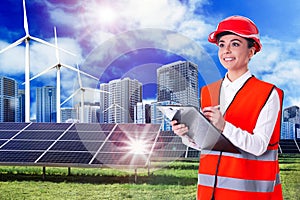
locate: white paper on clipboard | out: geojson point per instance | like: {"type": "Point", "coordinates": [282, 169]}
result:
{"type": "Point", "coordinates": [201, 131]}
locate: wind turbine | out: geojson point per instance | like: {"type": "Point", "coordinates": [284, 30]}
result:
{"type": "Point", "coordinates": [57, 66]}
{"type": "Point", "coordinates": [82, 90]}
{"type": "Point", "coordinates": [114, 105]}
{"type": "Point", "coordinates": [26, 39]}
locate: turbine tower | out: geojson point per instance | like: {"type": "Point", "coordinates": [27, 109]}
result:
{"type": "Point", "coordinates": [57, 66]}
{"type": "Point", "coordinates": [82, 90]}
{"type": "Point", "coordinates": [26, 39]}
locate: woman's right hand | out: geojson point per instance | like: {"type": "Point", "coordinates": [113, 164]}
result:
{"type": "Point", "coordinates": [179, 129]}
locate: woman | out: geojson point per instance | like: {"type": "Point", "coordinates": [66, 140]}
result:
{"type": "Point", "coordinates": [248, 112]}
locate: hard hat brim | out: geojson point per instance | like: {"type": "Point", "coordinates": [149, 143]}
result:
{"type": "Point", "coordinates": [212, 38]}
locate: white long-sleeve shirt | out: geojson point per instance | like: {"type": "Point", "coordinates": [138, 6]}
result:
{"type": "Point", "coordinates": [257, 142]}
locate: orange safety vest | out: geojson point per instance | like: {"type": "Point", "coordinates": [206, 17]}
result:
{"type": "Point", "coordinates": [224, 175]}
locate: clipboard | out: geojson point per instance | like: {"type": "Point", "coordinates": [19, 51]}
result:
{"type": "Point", "coordinates": [201, 132]}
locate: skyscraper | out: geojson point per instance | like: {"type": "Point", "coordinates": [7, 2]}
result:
{"type": "Point", "coordinates": [142, 113]}
{"type": "Point", "coordinates": [288, 130]}
{"type": "Point", "coordinates": [292, 114]}
{"type": "Point", "coordinates": [178, 82]}
{"type": "Point", "coordinates": [297, 131]}
{"type": "Point", "coordinates": [104, 103]}
{"type": "Point", "coordinates": [21, 109]}
{"type": "Point", "coordinates": [8, 100]}
{"type": "Point", "coordinates": [123, 95]}
{"type": "Point", "coordinates": [91, 112]}
{"type": "Point", "coordinates": [139, 113]}
{"type": "Point", "coordinates": [46, 104]}
{"type": "Point", "coordinates": [69, 115]}
{"type": "Point", "coordinates": [291, 122]}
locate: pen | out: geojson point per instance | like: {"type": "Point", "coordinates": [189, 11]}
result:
{"type": "Point", "coordinates": [217, 106]}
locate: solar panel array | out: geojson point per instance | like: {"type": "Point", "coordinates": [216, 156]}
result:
{"type": "Point", "coordinates": [289, 146]}
{"type": "Point", "coordinates": [82, 144]}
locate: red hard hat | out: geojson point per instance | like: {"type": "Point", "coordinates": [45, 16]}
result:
{"type": "Point", "coordinates": [238, 25]}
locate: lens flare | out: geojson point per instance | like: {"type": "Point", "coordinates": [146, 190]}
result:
{"type": "Point", "coordinates": [137, 147]}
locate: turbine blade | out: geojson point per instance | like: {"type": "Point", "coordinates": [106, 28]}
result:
{"type": "Point", "coordinates": [70, 97]}
{"type": "Point", "coordinates": [66, 51]}
{"type": "Point", "coordinates": [120, 107]}
{"type": "Point", "coordinates": [16, 43]}
{"type": "Point", "coordinates": [69, 67]}
{"type": "Point", "coordinates": [79, 77]}
{"type": "Point", "coordinates": [51, 45]}
{"type": "Point", "coordinates": [56, 49]}
{"type": "Point", "coordinates": [43, 72]}
{"type": "Point", "coordinates": [42, 41]}
{"type": "Point", "coordinates": [84, 73]}
{"type": "Point", "coordinates": [91, 76]}
{"type": "Point", "coordinates": [108, 108]}
{"type": "Point", "coordinates": [95, 90]}
{"type": "Point", "coordinates": [25, 19]}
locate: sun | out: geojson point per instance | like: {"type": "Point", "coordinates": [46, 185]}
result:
{"type": "Point", "coordinates": [107, 15]}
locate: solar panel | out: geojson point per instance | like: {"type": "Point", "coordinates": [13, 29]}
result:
{"type": "Point", "coordinates": [39, 134]}
{"type": "Point", "coordinates": [2, 142]}
{"type": "Point", "coordinates": [128, 145]}
{"type": "Point", "coordinates": [168, 147]}
{"type": "Point", "coordinates": [81, 144]}
{"type": "Point", "coordinates": [26, 145]}
{"type": "Point", "coordinates": [92, 127]}
{"type": "Point", "coordinates": [192, 153]}
{"type": "Point", "coordinates": [85, 135]}
{"type": "Point", "coordinates": [19, 157]}
{"type": "Point", "coordinates": [5, 134]}
{"type": "Point", "coordinates": [115, 146]}
{"type": "Point", "coordinates": [121, 159]}
{"type": "Point", "coordinates": [289, 146]}
{"type": "Point", "coordinates": [163, 155]}
{"type": "Point", "coordinates": [66, 158]}
{"type": "Point", "coordinates": [12, 126]}
{"type": "Point", "coordinates": [168, 139]}
{"type": "Point", "coordinates": [137, 128]}
{"type": "Point", "coordinates": [76, 146]}
{"type": "Point", "coordinates": [48, 126]}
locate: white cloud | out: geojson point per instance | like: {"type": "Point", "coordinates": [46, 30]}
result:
{"type": "Point", "coordinates": [154, 14]}
{"type": "Point", "coordinates": [130, 15]}
{"type": "Point", "coordinates": [8, 62]}
{"type": "Point", "coordinates": [277, 64]}
{"type": "Point", "coordinates": [149, 101]}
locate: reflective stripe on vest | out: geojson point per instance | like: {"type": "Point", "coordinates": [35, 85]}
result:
{"type": "Point", "coordinates": [238, 184]}
{"type": "Point", "coordinates": [269, 155]}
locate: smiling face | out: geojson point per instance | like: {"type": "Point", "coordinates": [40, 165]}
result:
{"type": "Point", "coordinates": [234, 54]}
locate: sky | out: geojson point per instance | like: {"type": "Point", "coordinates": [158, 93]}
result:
{"type": "Point", "coordinates": [132, 38]}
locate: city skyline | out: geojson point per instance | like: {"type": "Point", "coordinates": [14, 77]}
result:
{"type": "Point", "coordinates": [104, 87]}
{"type": "Point", "coordinates": [88, 35]}
{"type": "Point", "coordinates": [122, 102]}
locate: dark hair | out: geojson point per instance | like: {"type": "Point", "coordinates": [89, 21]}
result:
{"type": "Point", "coordinates": [250, 41]}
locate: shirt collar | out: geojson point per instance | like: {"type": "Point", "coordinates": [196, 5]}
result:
{"type": "Point", "coordinates": [238, 83]}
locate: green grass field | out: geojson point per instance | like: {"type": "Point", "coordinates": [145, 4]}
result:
{"type": "Point", "coordinates": [177, 180]}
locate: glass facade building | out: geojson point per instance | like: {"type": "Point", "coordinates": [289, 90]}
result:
{"type": "Point", "coordinates": [178, 82]}
{"type": "Point", "coordinates": [9, 102]}
{"type": "Point", "coordinates": [118, 106]}
{"type": "Point", "coordinates": [46, 104]}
